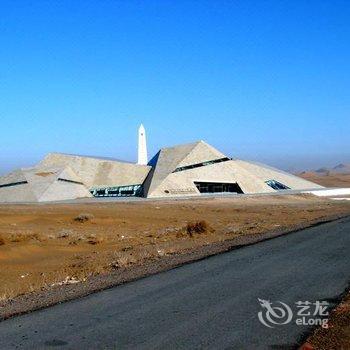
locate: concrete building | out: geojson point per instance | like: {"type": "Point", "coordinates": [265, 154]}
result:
{"type": "Point", "coordinates": [42, 184]}
{"type": "Point", "coordinates": [186, 170]}
{"type": "Point", "coordinates": [103, 177]}
{"type": "Point", "coordinates": [197, 168]}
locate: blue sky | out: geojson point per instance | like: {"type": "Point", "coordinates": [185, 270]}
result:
{"type": "Point", "coordinates": [262, 80]}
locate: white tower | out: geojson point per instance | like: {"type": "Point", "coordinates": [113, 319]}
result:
{"type": "Point", "coordinates": [142, 150]}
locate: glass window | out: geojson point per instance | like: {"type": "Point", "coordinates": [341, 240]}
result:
{"type": "Point", "coordinates": [70, 181]}
{"type": "Point", "coordinates": [118, 191]}
{"type": "Point", "coordinates": [218, 187]}
{"type": "Point", "coordinates": [192, 166]}
{"type": "Point", "coordinates": [14, 184]}
{"type": "Point", "coordinates": [276, 185]}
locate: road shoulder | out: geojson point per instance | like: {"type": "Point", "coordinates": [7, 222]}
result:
{"type": "Point", "coordinates": [58, 294]}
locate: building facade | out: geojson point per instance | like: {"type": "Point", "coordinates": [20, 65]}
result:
{"type": "Point", "coordinates": [191, 169]}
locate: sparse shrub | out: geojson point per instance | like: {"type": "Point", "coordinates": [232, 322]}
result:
{"type": "Point", "coordinates": [16, 237]}
{"type": "Point", "coordinates": [197, 227]}
{"type": "Point", "coordinates": [64, 233]}
{"type": "Point", "coordinates": [83, 217]}
{"type": "Point", "coordinates": [2, 241]}
{"type": "Point", "coordinates": [93, 239]}
{"type": "Point", "coordinates": [127, 248]}
{"type": "Point", "coordinates": [22, 237]}
{"type": "Point", "coordinates": [123, 261]}
{"type": "Point", "coordinates": [6, 295]}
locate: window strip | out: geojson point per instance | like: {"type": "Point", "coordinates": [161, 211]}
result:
{"type": "Point", "coordinates": [277, 185]}
{"type": "Point", "coordinates": [209, 162]}
{"type": "Point", "coordinates": [70, 181]}
{"type": "Point", "coordinates": [14, 184]}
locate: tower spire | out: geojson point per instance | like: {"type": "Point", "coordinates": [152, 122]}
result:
{"type": "Point", "coordinates": [142, 148]}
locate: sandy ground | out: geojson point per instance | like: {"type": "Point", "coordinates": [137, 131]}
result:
{"type": "Point", "coordinates": [331, 180]}
{"type": "Point", "coordinates": [43, 245]}
{"type": "Point", "coordinates": [337, 335]}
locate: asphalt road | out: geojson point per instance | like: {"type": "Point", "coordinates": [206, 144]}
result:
{"type": "Point", "coordinates": [210, 304]}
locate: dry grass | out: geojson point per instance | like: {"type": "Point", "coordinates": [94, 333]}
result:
{"type": "Point", "coordinates": [197, 227]}
{"type": "Point", "coordinates": [123, 261]}
{"type": "Point", "coordinates": [93, 239]}
{"type": "Point", "coordinates": [6, 296]}
{"type": "Point", "coordinates": [83, 218]}
{"type": "Point", "coordinates": [64, 233]}
{"type": "Point", "coordinates": [23, 237]}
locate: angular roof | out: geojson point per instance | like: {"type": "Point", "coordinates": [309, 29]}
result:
{"type": "Point", "coordinates": [95, 157]}
{"type": "Point", "coordinates": [170, 158]}
{"type": "Point", "coordinates": [165, 162]}
{"type": "Point", "coordinates": [265, 172]}
{"type": "Point", "coordinates": [96, 172]}
{"type": "Point", "coordinates": [41, 184]}
{"type": "Point", "coordinates": [201, 152]}
{"type": "Point", "coordinates": [13, 177]}
{"type": "Point", "coordinates": [176, 170]}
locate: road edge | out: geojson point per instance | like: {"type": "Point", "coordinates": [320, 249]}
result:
{"type": "Point", "coordinates": [40, 300]}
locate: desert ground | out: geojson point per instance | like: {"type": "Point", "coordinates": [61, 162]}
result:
{"type": "Point", "coordinates": [327, 180]}
{"type": "Point", "coordinates": [337, 335]}
{"type": "Point", "coordinates": [45, 245]}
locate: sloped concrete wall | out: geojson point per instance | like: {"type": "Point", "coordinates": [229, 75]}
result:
{"type": "Point", "coordinates": [60, 190]}
{"type": "Point", "coordinates": [19, 193]}
{"type": "Point", "coordinates": [202, 152]}
{"type": "Point", "coordinates": [182, 183]}
{"type": "Point", "coordinates": [98, 172]}
{"type": "Point", "coordinates": [265, 173]}
{"type": "Point", "coordinates": [250, 177]}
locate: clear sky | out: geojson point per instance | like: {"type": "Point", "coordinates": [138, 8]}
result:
{"type": "Point", "coordinates": [261, 80]}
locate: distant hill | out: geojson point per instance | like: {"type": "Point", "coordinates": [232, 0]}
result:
{"type": "Point", "coordinates": [338, 169]}
{"type": "Point", "coordinates": [342, 169]}
{"type": "Point", "coordinates": [338, 176]}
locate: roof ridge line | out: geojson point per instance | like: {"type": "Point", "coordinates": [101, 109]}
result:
{"type": "Point", "coordinates": [195, 144]}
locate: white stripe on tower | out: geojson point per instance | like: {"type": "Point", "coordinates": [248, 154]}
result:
{"type": "Point", "coordinates": [142, 151]}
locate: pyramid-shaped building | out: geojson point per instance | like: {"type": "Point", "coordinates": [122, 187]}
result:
{"type": "Point", "coordinates": [197, 168]}
{"type": "Point", "coordinates": [191, 169]}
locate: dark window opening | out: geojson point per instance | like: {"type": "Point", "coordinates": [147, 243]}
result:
{"type": "Point", "coordinates": [99, 193]}
{"type": "Point", "coordinates": [127, 192]}
{"type": "Point", "coordinates": [119, 191]}
{"type": "Point", "coordinates": [217, 187]}
{"type": "Point", "coordinates": [113, 192]}
{"type": "Point", "coordinates": [209, 162]}
{"type": "Point", "coordinates": [14, 184]}
{"type": "Point", "coordinates": [276, 185]}
{"type": "Point", "coordinates": [70, 181]}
